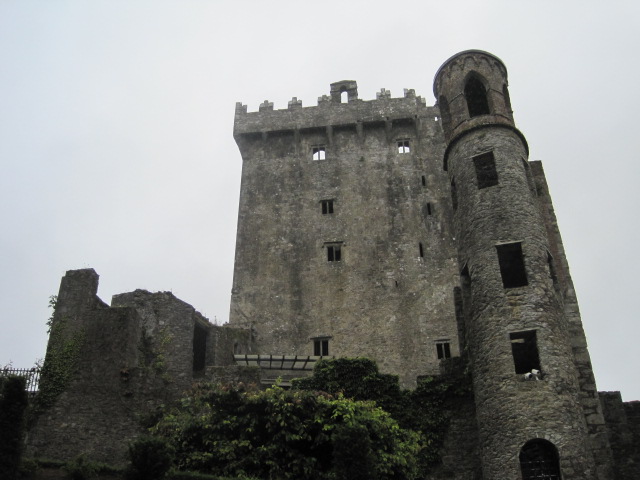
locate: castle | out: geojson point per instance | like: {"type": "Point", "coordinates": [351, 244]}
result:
{"type": "Point", "coordinates": [389, 229]}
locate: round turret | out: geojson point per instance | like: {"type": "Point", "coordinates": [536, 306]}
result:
{"type": "Point", "coordinates": [524, 378]}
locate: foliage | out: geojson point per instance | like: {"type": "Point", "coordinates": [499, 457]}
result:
{"type": "Point", "coordinates": [426, 410]}
{"type": "Point", "coordinates": [81, 469]}
{"type": "Point", "coordinates": [150, 457]}
{"type": "Point", "coordinates": [59, 365]}
{"type": "Point", "coordinates": [285, 435]}
{"type": "Point", "coordinates": [13, 402]}
{"type": "Point", "coordinates": [53, 302]}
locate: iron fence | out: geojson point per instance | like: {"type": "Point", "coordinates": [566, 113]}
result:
{"type": "Point", "coordinates": [31, 375]}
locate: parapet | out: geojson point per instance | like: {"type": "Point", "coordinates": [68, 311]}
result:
{"type": "Point", "coordinates": [331, 111]}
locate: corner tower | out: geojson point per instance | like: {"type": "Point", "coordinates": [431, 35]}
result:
{"type": "Point", "coordinates": [514, 313]}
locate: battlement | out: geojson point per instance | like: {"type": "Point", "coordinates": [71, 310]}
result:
{"type": "Point", "coordinates": [332, 111]}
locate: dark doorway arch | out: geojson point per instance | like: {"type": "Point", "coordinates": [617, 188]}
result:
{"type": "Point", "coordinates": [539, 460]}
{"type": "Point", "coordinates": [476, 96]}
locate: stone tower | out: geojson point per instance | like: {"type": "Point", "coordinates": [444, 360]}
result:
{"type": "Point", "coordinates": [344, 242]}
{"type": "Point", "coordinates": [514, 308]}
{"type": "Point", "coordinates": [409, 234]}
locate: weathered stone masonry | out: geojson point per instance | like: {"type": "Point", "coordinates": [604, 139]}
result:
{"type": "Point", "coordinates": [419, 236]}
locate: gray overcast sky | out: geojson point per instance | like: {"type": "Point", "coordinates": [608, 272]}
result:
{"type": "Point", "coordinates": [117, 153]}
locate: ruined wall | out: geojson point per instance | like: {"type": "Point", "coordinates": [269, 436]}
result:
{"type": "Point", "coordinates": [390, 296]}
{"type": "Point", "coordinates": [623, 430]}
{"type": "Point", "coordinates": [113, 366]}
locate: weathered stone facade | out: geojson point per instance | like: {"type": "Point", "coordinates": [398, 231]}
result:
{"type": "Point", "coordinates": [390, 228]}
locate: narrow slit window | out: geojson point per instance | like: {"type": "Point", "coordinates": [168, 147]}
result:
{"type": "Point", "coordinates": [443, 349]}
{"type": "Point", "coordinates": [403, 145]}
{"type": "Point", "coordinates": [421, 249]}
{"type": "Point", "coordinates": [511, 262]}
{"type": "Point", "coordinates": [318, 152]}
{"type": "Point", "coordinates": [454, 195]}
{"type": "Point", "coordinates": [486, 172]}
{"type": "Point", "coordinates": [429, 208]}
{"type": "Point", "coordinates": [524, 347]}
{"type": "Point", "coordinates": [334, 253]}
{"type": "Point", "coordinates": [424, 181]}
{"type": "Point", "coordinates": [321, 347]}
{"type": "Point", "coordinates": [327, 207]}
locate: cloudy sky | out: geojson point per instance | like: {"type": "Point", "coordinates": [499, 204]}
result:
{"type": "Point", "coordinates": [116, 147]}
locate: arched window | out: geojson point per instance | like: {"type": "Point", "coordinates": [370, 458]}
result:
{"type": "Point", "coordinates": [344, 95]}
{"type": "Point", "coordinates": [476, 96]}
{"type": "Point", "coordinates": [539, 460]}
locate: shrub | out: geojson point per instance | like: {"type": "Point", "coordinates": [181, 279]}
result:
{"type": "Point", "coordinates": [286, 435]}
{"type": "Point", "coordinates": [150, 458]}
{"type": "Point", "coordinates": [13, 402]}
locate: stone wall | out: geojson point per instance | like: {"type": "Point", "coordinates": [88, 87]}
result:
{"type": "Point", "coordinates": [623, 429]}
{"type": "Point", "coordinates": [127, 360]}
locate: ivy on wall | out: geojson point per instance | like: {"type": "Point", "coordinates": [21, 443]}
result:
{"type": "Point", "coordinates": [60, 362]}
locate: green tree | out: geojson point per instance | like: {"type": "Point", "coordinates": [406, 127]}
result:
{"type": "Point", "coordinates": [13, 402]}
{"type": "Point", "coordinates": [281, 434]}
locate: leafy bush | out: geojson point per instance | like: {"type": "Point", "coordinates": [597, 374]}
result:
{"type": "Point", "coordinates": [286, 435]}
{"type": "Point", "coordinates": [13, 402]}
{"type": "Point", "coordinates": [81, 469]}
{"type": "Point", "coordinates": [151, 459]}
{"type": "Point", "coordinates": [426, 410]}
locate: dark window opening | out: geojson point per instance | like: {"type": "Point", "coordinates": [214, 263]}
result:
{"type": "Point", "coordinates": [539, 460]}
{"type": "Point", "coordinates": [454, 195]}
{"type": "Point", "coordinates": [421, 248]}
{"type": "Point", "coordinates": [524, 347]}
{"type": "Point", "coordinates": [428, 208]}
{"type": "Point", "coordinates": [512, 265]}
{"type": "Point", "coordinates": [552, 269]}
{"type": "Point", "coordinates": [403, 145]}
{"type": "Point", "coordinates": [476, 96]}
{"type": "Point", "coordinates": [199, 348]}
{"type": "Point", "coordinates": [327, 207]}
{"type": "Point", "coordinates": [507, 98]}
{"type": "Point", "coordinates": [318, 152]}
{"type": "Point", "coordinates": [424, 181]}
{"type": "Point", "coordinates": [444, 111]}
{"type": "Point", "coordinates": [321, 347]}
{"type": "Point", "coordinates": [443, 349]}
{"type": "Point", "coordinates": [334, 253]}
{"type": "Point", "coordinates": [486, 172]}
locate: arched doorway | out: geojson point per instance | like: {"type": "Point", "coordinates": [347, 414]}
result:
{"type": "Point", "coordinates": [539, 460]}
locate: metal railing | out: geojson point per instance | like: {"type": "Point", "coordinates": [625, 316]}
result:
{"type": "Point", "coordinates": [31, 375]}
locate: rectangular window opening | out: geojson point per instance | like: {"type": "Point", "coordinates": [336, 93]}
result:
{"type": "Point", "coordinates": [443, 348]}
{"type": "Point", "coordinates": [334, 253]}
{"type": "Point", "coordinates": [524, 347]}
{"type": "Point", "coordinates": [321, 347]}
{"type": "Point", "coordinates": [199, 348]}
{"type": "Point", "coordinates": [318, 152]}
{"type": "Point", "coordinates": [428, 208]}
{"type": "Point", "coordinates": [486, 172]}
{"type": "Point", "coordinates": [511, 262]}
{"type": "Point", "coordinates": [327, 207]}
{"type": "Point", "coordinates": [403, 145]}
{"type": "Point", "coordinates": [424, 181]}
{"type": "Point", "coordinates": [421, 248]}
